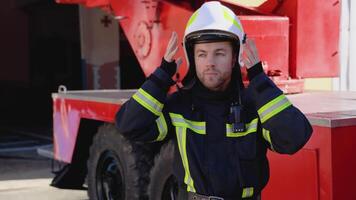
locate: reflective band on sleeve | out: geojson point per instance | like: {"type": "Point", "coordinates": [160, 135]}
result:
{"type": "Point", "coordinates": [250, 128]}
{"type": "Point", "coordinates": [182, 145]}
{"type": "Point", "coordinates": [273, 107]}
{"type": "Point", "coordinates": [148, 101]}
{"type": "Point", "coordinates": [179, 120]}
{"type": "Point", "coordinates": [162, 127]}
{"type": "Point", "coordinates": [247, 192]}
{"type": "Point", "coordinates": [267, 137]}
{"type": "Point", "coordinates": [230, 18]}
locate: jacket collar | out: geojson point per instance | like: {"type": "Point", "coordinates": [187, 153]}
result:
{"type": "Point", "coordinates": [201, 92]}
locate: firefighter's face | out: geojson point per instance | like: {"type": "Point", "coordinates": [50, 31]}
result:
{"type": "Point", "coordinates": [214, 62]}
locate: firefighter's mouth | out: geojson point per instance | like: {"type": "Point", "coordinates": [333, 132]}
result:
{"type": "Point", "coordinates": [211, 73]}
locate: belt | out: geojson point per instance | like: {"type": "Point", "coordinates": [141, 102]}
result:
{"type": "Point", "coordinates": [195, 196]}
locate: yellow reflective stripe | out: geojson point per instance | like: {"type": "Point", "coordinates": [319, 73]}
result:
{"type": "Point", "coordinates": [247, 192]}
{"type": "Point", "coordinates": [276, 111]}
{"type": "Point", "coordinates": [250, 128]}
{"type": "Point", "coordinates": [182, 145]}
{"type": "Point", "coordinates": [192, 18]}
{"type": "Point", "coordinates": [179, 120]}
{"type": "Point", "coordinates": [162, 127]}
{"type": "Point", "coordinates": [267, 137]}
{"type": "Point", "coordinates": [148, 101]}
{"type": "Point", "coordinates": [227, 16]}
{"type": "Point", "coordinates": [273, 107]}
{"type": "Point", "coordinates": [271, 103]}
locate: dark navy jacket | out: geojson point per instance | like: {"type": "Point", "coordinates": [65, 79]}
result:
{"type": "Point", "coordinates": [210, 158]}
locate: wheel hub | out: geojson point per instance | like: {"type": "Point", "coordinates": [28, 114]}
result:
{"type": "Point", "coordinates": [109, 182]}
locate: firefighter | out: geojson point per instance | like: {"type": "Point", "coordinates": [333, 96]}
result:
{"type": "Point", "coordinates": [221, 129]}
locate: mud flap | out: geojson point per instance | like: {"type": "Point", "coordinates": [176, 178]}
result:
{"type": "Point", "coordinates": [69, 177]}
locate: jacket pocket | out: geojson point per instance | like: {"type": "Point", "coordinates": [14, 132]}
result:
{"type": "Point", "coordinates": [246, 147]}
{"type": "Point", "coordinates": [245, 141]}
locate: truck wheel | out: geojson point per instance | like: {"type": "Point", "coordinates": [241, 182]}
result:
{"type": "Point", "coordinates": [163, 184]}
{"type": "Point", "coordinates": [117, 168]}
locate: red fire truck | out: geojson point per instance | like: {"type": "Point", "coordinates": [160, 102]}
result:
{"type": "Point", "coordinates": [296, 39]}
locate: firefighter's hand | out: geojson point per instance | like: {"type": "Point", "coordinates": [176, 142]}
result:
{"type": "Point", "coordinates": [250, 55]}
{"type": "Point", "coordinates": [172, 48]}
{"type": "Point", "coordinates": [169, 64]}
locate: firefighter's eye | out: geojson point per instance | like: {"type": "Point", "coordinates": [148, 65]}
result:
{"type": "Point", "coordinates": [201, 55]}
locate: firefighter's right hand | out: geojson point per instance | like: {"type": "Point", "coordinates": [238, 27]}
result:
{"type": "Point", "coordinates": [172, 48]}
{"type": "Point", "coordinates": [169, 64]}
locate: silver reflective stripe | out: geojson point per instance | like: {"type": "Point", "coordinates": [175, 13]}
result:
{"type": "Point", "coordinates": [162, 127]}
{"type": "Point", "coordinates": [149, 102]}
{"type": "Point", "coordinates": [250, 128]}
{"type": "Point", "coordinates": [179, 120]}
{"type": "Point", "coordinates": [273, 107]}
{"type": "Point", "coordinates": [182, 145]}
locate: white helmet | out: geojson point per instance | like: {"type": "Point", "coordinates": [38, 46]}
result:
{"type": "Point", "coordinates": [212, 22]}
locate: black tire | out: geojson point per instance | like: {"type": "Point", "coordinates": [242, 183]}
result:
{"type": "Point", "coordinates": [117, 168]}
{"type": "Point", "coordinates": [163, 184]}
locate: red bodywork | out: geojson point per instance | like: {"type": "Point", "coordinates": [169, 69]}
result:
{"type": "Point", "coordinates": [66, 120]}
{"type": "Point", "coordinates": [69, 108]}
{"type": "Point", "coordinates": [295, 39]}
{"type": "Point", "coordinates": [322, 170]}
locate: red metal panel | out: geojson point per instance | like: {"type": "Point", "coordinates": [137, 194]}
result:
{"type": "Point", "coordinates": [314, 32]}
{"type": "Point", "coordinates": [314, 37]}
{"type": "Point", "coordinates": [67, 114]}
{"type": "Point", "coordinates": [271, 36]}
{"type": "Point", "coordinates": [293, 177]}
{"type": "Point", "coordinates": [148, 26]}
{"type": "Point", "coordinates": [149, 39]}
{"type": "Point", "coordinates": [321, 141]}
{"type": "Point", "coordinates": [65, 127]}
{"type": "Point", "coordinates": [311, 167]}
{"type": "Point", "coordinates": [344, 162]}
{"type": "Point", "coordinates": [323, 170]}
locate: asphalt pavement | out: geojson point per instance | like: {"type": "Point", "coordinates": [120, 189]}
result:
{"type": "Point", "coordinates": [24, 174]}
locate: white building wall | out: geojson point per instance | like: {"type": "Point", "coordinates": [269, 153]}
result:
{"type": "Point", "coordinates": [347, 79]}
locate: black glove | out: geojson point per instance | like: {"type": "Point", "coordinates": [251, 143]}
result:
{"type": "Point", "coordinates": [169, 67]}
{"type": "Point", "coordinates": [254, 71]}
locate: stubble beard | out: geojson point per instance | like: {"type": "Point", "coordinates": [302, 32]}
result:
{"type": "Point", "coordinates": [215, 83]}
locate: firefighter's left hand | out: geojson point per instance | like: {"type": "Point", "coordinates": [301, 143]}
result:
{"type": "Point", "coordinates": [250, 55]}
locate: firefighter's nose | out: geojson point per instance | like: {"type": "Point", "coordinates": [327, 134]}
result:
{"type": "Point", "coordinates": [210, 62]}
